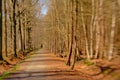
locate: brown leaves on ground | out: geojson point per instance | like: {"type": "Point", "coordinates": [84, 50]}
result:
{"type": "Point", "coordinates": [115, 63]}
{"type": "Point", "coordinates": [9, 62]}
{"type": "Point", "coordinates": [101, 69]}
{"type": "Point", "coordinates": [91, 70]}
{"type": "Point", "coordinates": [3, 68]}
{"type": "Point", "coordinates": [115, 75]}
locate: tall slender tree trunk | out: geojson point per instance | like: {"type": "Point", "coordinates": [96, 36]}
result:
{"type": "Point", "coordinates": [71, 37]}
{"type": "Point", "coordinates": [101, 21]}
{"type": "Point", "coordinates": [11, 29]}
{"type": "Point", "coordinates": [91, 29]}
{"type": "Point", "coordinates": [97, 31]}
{"type": "Point", "coordinates": [24, 26]}
{"type": "Point", "coordinates": [5, 37]}
{"type": "Point", "coordinates": [14, 27]}
{"type": "Point", "coordinates": [112, 35]}
{"type": "Point", "coordinates": [20, 33]}
{"type": "Point", "coordinates": [20, 28]}
{"type": "Point", "coordinates": [29, 38]}
{"type": "Point", "coordinates": [85, 33]}
{"type": "Point", "coordinates": [24, 36]}
{"type": "Point", "coordinates": [75, 21]}
{"type": "Point", "coordinates": [1, 58]}
{"type": "Point", "coordinates": [24, 31]}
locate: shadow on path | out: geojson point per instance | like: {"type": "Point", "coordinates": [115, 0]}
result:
{"type": "Point", "coordinates": [45, 66]}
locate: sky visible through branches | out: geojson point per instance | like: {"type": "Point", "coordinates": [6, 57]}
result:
{"type": "Point", "coordinates": [44, 9]}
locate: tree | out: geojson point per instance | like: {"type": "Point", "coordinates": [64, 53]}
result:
{"type": "Point", "coordinates": [70, 36]}
{"type": "Point", "coordinates": [112, 34]}
{"type": "Point", "coordinates": [1, 58]}
{"type": "Point", "coordinates": [85, 32]}
{"type": "Point", "coordinates": [75, 41]}
{"type": "Point", "coordinates": [5, 22]}
{"type": "Point", "coordinates": [20, 26]}
{"type": "Point", "coordinates": [14, 27]}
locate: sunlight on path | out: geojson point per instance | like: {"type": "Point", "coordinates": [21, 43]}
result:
{"type": "Point", "coordinates": [45, 66]}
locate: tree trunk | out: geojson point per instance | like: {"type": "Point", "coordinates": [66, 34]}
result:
{"type": "Point", "coordinates": [1, 58]}
{"type": "Point", "coordinates": [101, 21]}
{"type": "Point", "coordinates": [20, 32]}
{"type": "Point", "coordinates": [75, 21]}
{"type": "Point", "coordinates": [97, 31]}
{"type": "Point", "coordinates": [85, 33]}
{"type": "Point", "coordinates": [14, 27]}
{"type": "Point", "coordinates": [112, 35]}
{"type": "Point", "coordinates": [71, 37]}
{"type": "Point", "coordinates": [91, 29]}
{"type": "Point", "coordinates": [5, 37]}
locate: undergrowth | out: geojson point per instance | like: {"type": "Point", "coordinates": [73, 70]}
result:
{"type": "Point", "coordinates": [88, 63]}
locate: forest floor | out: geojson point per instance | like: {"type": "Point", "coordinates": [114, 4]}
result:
{"type": "Point", "coordinates": [46, 66]}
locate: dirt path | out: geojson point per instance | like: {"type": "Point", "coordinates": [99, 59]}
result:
{"type": "Point", "coordinates": [46, 66]}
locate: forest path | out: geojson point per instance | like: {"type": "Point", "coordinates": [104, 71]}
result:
{"type": "Point", "coordinates": [45, 66]}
